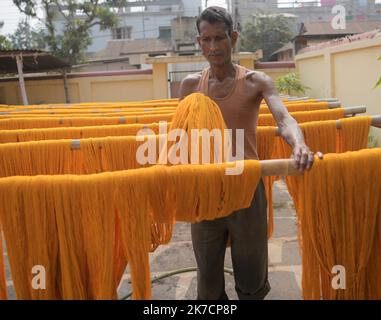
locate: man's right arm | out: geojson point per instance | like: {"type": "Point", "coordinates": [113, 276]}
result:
{"type": "Point", "coordinates": [188, 85]}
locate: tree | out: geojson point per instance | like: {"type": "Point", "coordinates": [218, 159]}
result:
{"type": "Point", "coordinates": [79, 17]}
{"type": "Point", "coordinates": [268, 33]}
{"type": "Point", "coordinates": [290, 84]}
{"type": "Point", "coordinates": [25, 37]}
{"type": "Point", "coordinates": [5, 43]}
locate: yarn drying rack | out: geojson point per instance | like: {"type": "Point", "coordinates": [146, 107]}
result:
{"type": "Point", "coordinates": [277, 167]}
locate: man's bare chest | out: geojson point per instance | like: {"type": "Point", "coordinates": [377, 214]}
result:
{"type": "Point", "coordinates": [249, 93]}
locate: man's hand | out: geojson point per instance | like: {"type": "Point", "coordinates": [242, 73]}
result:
{"type": "Point", "coordinates": [304, 157]}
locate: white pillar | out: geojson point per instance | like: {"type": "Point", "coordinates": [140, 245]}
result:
{"type": "Point", "coordinates": [21, 79]}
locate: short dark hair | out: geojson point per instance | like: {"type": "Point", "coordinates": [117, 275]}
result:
{"type": "Point", "coordinates": [215, 14]}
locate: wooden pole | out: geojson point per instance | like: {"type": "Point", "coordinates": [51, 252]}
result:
{"type": "Point", "coordinates": [298, 99]}
{"type": "Point", "coordinates": [66, 88]}
{"type": "Point", "coordinates": [327, 100]}
{"type": "Point", "coordinates": [279, 167]}
{"type": "Point", "coordinates": [333, 105]}
{"type": "Point", "coordinates": [376, 122]}
{"type": "Point", "coordinates": [354, 110]}
{"type": "Point", "coordinates": [21, 79]}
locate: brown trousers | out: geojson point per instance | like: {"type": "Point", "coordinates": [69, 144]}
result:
{"type": "Point", "coordinates": [247, 230]}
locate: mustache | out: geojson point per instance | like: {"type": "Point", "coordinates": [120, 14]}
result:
{"type": "Point", "coordinates": [215, 54]}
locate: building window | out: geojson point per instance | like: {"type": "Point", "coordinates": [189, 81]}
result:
{"type": "Point", "coordinates": [157, 54]}
{"type": "Point", "coordinates": [165, 32]}
{"type": "Point", "coordinates": [121, 33]}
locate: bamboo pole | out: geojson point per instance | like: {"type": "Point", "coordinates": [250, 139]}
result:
{"type": "Point", "coordinates": [298, 99]}
{"type": "Point", "coordinates": [334, 104]}
{"type": "Point", "coordinates": [354, 110]}
{"type": "Point", "coordinates": [308, 98]}
{"type": "Point", "coordinates": [279, 167]}
{"type": "Point", "coordinates": [327, 100]}
{"type": "Point", "coordinates": [376, 122]}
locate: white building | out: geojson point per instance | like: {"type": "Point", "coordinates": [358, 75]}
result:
{"type": "Point", "coordinates": [141, 20]}
{"type": "Point", "coordinates": [305, 10]}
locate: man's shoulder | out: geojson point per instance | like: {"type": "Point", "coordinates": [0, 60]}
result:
{"type": "Point", "coordinates": [259, 79]}
{"type": "Point", "coordinates": [259, 76]}
{"type": "Point", "coordinates": [192, 78]}
{"type": "Point", "coordinates": [189, 84]}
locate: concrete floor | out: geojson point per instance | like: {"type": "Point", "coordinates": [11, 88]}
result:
{"type": "Point", "coordinates": [284, 259]}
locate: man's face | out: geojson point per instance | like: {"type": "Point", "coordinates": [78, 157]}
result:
{"type": "Point", "coordinates": [216, 43]}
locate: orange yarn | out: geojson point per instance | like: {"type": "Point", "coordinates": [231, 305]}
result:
{"type": "Point", "coordinates": [318, 115]}
{"type": "Point", "coordinates": [23, 135]}
{"type": "Point", "coordinates": [298, 107]}
{"type": "Point", "coordinates": [51, 122]}
{"type": "Point", "coordinates": [265, 147]}
{"type": "Point", "coordinates": [68, 223]}
{"type": "Point", "coordinates": [339, 211]}
{"type": "Point", "coordinates": [3, 284]}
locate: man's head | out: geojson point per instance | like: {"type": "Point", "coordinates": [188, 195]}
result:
{"type": "Point", "coordinates": [216, 35]}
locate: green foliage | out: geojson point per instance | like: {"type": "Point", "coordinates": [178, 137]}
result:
{"type": "Point", "coordinates": [373, 137]}
{"type": "Point", "coordinates": [25, 37]}
{"type": "Point", "coordinates": [379, 80]}
{"type": "Point", "coordinates": [290, 84]}
{"type": "Point", "coordinates": [5, 43]}
{"type": "Point", "coordinates": [72, 43]}
{"type": "Point", "coordinates": [268, 33]}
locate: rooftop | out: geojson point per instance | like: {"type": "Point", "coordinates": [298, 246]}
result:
{"type": "Point", "coordinates": [343, 40]}
{"type": "Point", "coordinates": [120, 48]}
{"type": "Point", "coordinates": [33, 61]}
{"type": "Point", "coordinates": [286, 47]}
{"type": "Point", "coordinates": [325, 28]}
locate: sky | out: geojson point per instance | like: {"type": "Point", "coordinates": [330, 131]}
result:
{"type": "Point", "coordinates": [10, 15]}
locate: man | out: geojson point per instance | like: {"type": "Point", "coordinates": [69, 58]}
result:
{"type": "Point", "coordinates": [238, 93]}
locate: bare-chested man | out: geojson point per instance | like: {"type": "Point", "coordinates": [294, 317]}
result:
{"type": "Point", "coordinates": [238, 92]}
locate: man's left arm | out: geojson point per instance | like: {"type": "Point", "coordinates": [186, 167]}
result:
{"type": "Point", "coordinates": [288, 127]}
